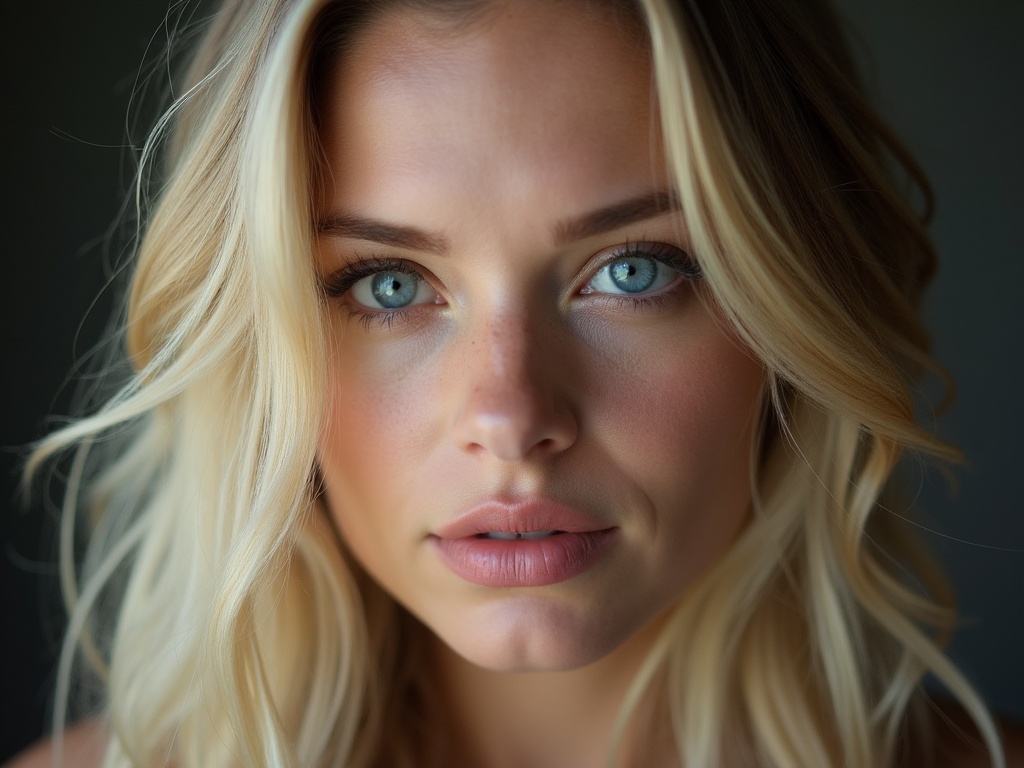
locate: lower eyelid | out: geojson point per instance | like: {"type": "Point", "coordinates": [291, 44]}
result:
{"type": "Point", "coordinates": [382, 319]}
{"type": "Point", "coordinates": [642, 302]}
{"type": "Point", "coordinates": [375, 319]}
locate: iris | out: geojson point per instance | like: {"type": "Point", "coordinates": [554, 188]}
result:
{"type": "Point", "coordinates": [633, 275]}
{"type": "Point", "coordinates": [394, 290]}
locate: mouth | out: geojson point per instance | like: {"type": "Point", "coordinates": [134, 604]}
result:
{"type": "Point", "coordinates": [507, 536]}
{"type": "Point", "coordinates": [529, 544]}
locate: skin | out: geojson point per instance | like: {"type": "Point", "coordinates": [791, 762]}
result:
{"type": "Point", "coordinates": [515, 378]}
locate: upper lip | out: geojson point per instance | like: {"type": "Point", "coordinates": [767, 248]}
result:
{"type": "Point", "coordinates": [502, 516]}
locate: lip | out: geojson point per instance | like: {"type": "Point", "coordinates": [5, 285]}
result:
{"type": "Point", "coordinates": [581, 540]}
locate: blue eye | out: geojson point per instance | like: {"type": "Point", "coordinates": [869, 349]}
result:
{"type": "Point", "coordinates": [642, 269]}
{"type": "Point", "coordinates": [633, 275]}
{"type": "Point", "coordinates": [392, 289]}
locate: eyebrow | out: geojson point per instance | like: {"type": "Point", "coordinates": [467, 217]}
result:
{"type": "Point", "coordinates": [597, 222]}
{"type": "Point", "coordinates": [616, 216]}
{"type": "Point", "coordinates": [374, 230]}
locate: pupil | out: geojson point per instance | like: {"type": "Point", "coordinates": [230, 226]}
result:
{"type": "Point", "coordinates": [634, 275]}
{"type": "Point", "coordinates": [394, 291]}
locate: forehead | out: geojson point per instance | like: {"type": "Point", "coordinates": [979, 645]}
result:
{"type": "Point", "coordinates": [511, 33]}
{"type": "Point", "coordinates": [529, 94]}
{"type": "Point", "coordinates": [517, 56]}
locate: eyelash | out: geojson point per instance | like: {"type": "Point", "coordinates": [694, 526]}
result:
{"type": "Point", "coordinates": [670, 255]}
{"type": "Point", "coordinates": [339, 283]}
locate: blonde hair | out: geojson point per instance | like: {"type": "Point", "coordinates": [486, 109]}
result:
{"type": "Point", "coordinates": [218, 608]}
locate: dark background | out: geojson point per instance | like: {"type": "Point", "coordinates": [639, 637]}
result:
{"type": "Point", "coordinates": [946, 73]}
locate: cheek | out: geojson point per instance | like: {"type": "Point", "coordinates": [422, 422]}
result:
{"type": "Point", "coordinates": [381, 411]}
{"type": "Point", "coordinates": [683, 400]}
{"type": "Point", "coordinates": [680, 413]}
{"type": "Point", "coordinates": [382, 402]}
{"type": "Point", "coordinates": [699, 412]}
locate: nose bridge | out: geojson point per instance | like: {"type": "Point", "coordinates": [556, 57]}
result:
{"type": "Point", "coordinates": [508, 345]}
{"type": "Point", "coordinates": [512, 405]}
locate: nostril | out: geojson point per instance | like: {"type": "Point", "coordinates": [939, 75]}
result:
{"type": "Point", "coordinates": [512, 416]}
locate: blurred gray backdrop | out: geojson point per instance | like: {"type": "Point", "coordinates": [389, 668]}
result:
{"type": "Point", "coordinates": [946, 73]}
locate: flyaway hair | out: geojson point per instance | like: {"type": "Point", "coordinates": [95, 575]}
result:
{"type": "Point", "coordinates": [216, 604]}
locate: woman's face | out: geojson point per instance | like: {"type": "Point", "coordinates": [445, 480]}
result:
{"type": "Point", "coordinates": [538, 433]}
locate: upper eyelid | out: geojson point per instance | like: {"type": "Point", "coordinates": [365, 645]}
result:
{"type": "Point", "coordinates": [340, 280]}
{"type": "Point", "coordinates": [608, 255]}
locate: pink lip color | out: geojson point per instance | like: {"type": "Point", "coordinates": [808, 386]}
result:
{"type": "Point", "coordinates": [581, 540]}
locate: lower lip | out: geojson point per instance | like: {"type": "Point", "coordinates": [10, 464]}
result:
{"type": "Point", "coordinates": [523, 562]}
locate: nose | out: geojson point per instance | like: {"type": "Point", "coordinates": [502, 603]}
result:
{"type": "Point", "coordinates": [512, 394]}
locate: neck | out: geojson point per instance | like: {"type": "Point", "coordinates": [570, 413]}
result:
{"type": "Point", "coordinates": [541, 719]}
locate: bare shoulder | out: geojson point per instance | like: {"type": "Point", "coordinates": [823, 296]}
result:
{"type": "Point", "coordinates": [84, 745]}
{"type": "Point", "coordinates": [960, 746]}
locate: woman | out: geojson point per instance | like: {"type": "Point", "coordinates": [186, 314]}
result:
{"type": "Point", "coordinates": [518, 383]}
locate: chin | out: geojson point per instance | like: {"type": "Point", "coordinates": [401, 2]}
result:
{"type": "Point", "coordinates": [528, 634]}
